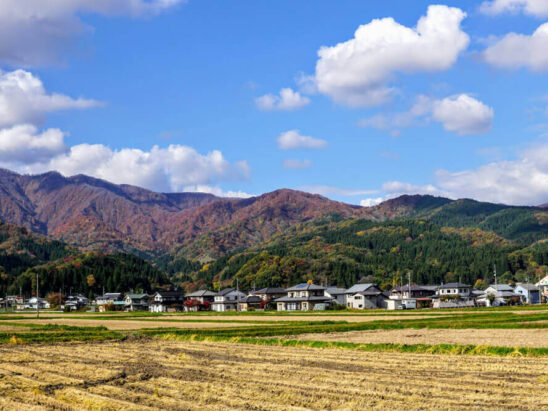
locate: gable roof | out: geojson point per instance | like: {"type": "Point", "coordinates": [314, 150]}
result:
{"type": "Point", "coordinates": [252, 299]}
{"type": "Point", "coordinates": [202, 293]}
{"type": "Point", "coordinates": [270, 290]}
{"type": "Point", "coordinates": [336, 290]}
{"type": "Point", "coordinates": [501, 287]}
{"type": "Point", "coordinates": [529, 287]}
{"type": "Point", "coordinates": [305, 287]}
{"type": "Point", "coordinates": [358, 288]}
{"type": "Point", "coordinates": [454, 285]}
{"type": "Point", "coordinates": [136, 296]}
{"type": "Point", "coordinates": [225, 291]}
{"type": "Point", "coordinates": [174, 293]}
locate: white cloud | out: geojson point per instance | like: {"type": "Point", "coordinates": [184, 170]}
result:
{"type": "Point", "coordinates": [370, 202]}
{"type": "Point", "coordinates": [295, 164]}
{"type": "Point", "coordinates": [357, 72]}
{"type": "Point", "coordinates": [519, 50]}
{"type": "Point", "coordinates": [460, 114]}
{"type": "Point", "coordinates": [173, 168]}
{"type": "Point", "coordinates": [331, 191]}
{"type": "Point", "coordinates": [23, 143]}
{"type": "Point", "coordinates": [23, 99]}
{"type": "Point", "coordinates": [397, 188]}
{"type": "Point", "coordinates": [538, 8]}
{"type": "Point", "coordinates": [217, 191]}
{"type": "Point", "coordinates": [463, 115]}
{"type": "Point", "coordinates": [287, 100]}
{"type": "Point", "coordinates": [293, 140]}
{"type": "Point", "coordinates": [35, 32]}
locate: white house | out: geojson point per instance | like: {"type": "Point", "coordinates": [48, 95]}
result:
{"type": "Point", "coordinates": [167, 301]}
{"type": "Point", "coordinates": [543, 287]}
{"type": "Point", "coordinates": [365, 296]}
{"type": "Point", "coordinates": [453, 295]}
{"type": "Point", "coordinates": [227, 300]}
{"type": "Point", "coordinates": [529, 293]}
{"type": "Point", "coordinates": [34, 303]}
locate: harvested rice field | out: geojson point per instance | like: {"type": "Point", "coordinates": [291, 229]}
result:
{"type": "Point", "coordinates": [130, 324]}
{"type": "Point", "coordinates": [496, 337]}
{"type": "Point", "coordinates": [160, 374]}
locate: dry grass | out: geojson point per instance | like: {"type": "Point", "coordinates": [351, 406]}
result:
{"type": "Point", "coordinates": [497, 337]}
{"type": "Point", "coordinates": [197, 375]}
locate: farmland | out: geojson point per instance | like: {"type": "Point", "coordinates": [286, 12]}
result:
{"type": "Point", "coordinates": [491, 359]}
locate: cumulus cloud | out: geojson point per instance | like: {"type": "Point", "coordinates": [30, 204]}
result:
{"type": "Point", "coordinates": [330, 191]}
{"type": "Point", "coordinates": [294, 164]}
{"type": "Point", "coordinates": [287, 100]}
{"type": "Point", "coordinates": [370, 202]}
{"type": "Point", "coordinates": [463, 115]}
{"type": "Point", "coordinates": [357, 72]}
{"type": "Point", "coordinates": [519, 50]}
{"type": "Point", "coordinates": [537, 8]}
{"type": "Point", "coordinates": [23, 99]}
{"type": "Point", "coordinates": [35, 32]}
{"type": "Point", "coordinates": [293, 140]}
{"type": "Point", "coordinates": [460, 114]}
{"type": "Point", "coordinates": [24, 144]}
{"type": "Point", "coordinates": [173, 168]}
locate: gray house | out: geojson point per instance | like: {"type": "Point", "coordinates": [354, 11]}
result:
{"type": "Point", "coordinates": [304, 297]}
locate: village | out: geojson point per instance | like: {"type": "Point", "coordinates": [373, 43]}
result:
{"type": "Point", "coordinates": [301, 297]}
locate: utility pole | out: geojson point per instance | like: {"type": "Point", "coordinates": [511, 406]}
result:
{"type": "Point", "coordinates": [409, 284]}
{"type": "Point", "coordinates": [37, 297]}
{"type": "Point", "coordinates": [237, 296]}
{"type": "Point", "coordinates": [495, 268]}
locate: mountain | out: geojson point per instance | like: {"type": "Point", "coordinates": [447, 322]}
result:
{"type": "Point", "coordinates": [98, 215]}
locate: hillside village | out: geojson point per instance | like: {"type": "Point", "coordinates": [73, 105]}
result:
{"type": "Point", "coordinates": [301, 297]}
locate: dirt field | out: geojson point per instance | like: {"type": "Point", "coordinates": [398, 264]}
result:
{"type": "Point", "coordinates": [196, 375]}
{"type": "Point", "coordinates": [496, 337]}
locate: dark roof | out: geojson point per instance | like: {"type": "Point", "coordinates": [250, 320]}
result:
{"type": "Point", "coordinates": [252, 299]}
{"type": "Point", "coordinates": [369, 293]}
{"type": "Point", "coordinates": [336, 291]}
{"type": "Point", "coordinates": [270, 290]}
{"type": "Point", "coordinates": [299, 299]}
{"type": "Point", "coordinates": [358, 288]}
{"type": "Point", "coordinates": [305, 287]}
{"type": "Point", "coordinates": [201, 293]}
{"type": "Point", "coordinates": [175, 293]}
{"type": "Point", "coordinates": [226, 291]}
{"type": "Point", "coordinates": [455, 285]}
{"type": "Point", "coordinates": [414, 287]}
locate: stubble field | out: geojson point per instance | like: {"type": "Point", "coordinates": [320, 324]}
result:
{"type": "Point", "coordinates": [159, 374]}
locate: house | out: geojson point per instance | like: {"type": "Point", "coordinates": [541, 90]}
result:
{"type": "Point", "coordinates": [270, 293]}
{"type": "Point", "coordinates": [201, 296]}
{"type": "Point", "coordinates": [167, 301]}
{"type": "Point", "coordinates": [227, 300]}
{"type": "Point", "coordinates": [543, 287]}
{"type": "Point", "coordinates": [337, 294]}
{"type": "Point", "coordinates": [137, 302]}
{"type": "Point", "coordinates": [251, 302]}
{"type": "Point", "coordinates": [411, 296]}
{"type": "Point", "coordinates": [304, 297]}
{"type": "Point", "coordinates": [108, 298]}
{"type": "Point", "coordinates": [75, 302]}
{"type": "Point", "coordinates": [370, 298]}
{"type": "Point", "coordinates": [14, 301]}
{"type": "Point", "coordinates": [454, 295]}
{"type": "Point", "coordinates": [493, 288]}
{"type": "Point", "coordinates": [35, 303]}
{"type": "Point", "coordinates": [530, 294]}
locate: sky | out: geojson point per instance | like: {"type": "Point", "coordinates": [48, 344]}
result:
{"type": "Point", "coordinates": [356, 100]}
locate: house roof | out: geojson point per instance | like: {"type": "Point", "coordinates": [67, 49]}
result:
{"type": "Point", "coordinates": [136, 296]}
{"type": "Point", "coordinates": [300, 299]}
{"type": "Point", "coordinates": [501, 287]}
{"type": "Point", "coordinates": [201, 293]}
{"type": "Point", "coordinates": [358, 288]}
{"type": "Point", "coordinates": [336, 290]}
{"type": "Point", "coordinates": [454, 285]}
{"type": "Point", "coordinates": [270, 290]}
{"type": "Point", "coordinates": [413, 287]}
{"type": "Point", "coordinates": [173, 293]}
{"type": "Point", "coordinates": [252, 299]}
{"type": "Point", "coordinates": [529, 287]}
{"type": "Point", "coordinates": [305, 287]}
{"type": "Point", "coordinates": [225, 291]}
{"type": "Point", "coordinates": [544, 281]}
{"type": "Point", "coordinates": [370, 293]}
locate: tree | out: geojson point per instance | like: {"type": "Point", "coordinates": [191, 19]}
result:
{"type": "Point", "coordinates": [480, 284]}
{"type": "Point", "coordinates": [56, 300]}
{"type": "Point", "coordinates": [90, 280]}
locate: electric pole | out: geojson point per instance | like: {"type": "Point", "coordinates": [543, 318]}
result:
{"type": "Point", "coordinates": [37, 297]}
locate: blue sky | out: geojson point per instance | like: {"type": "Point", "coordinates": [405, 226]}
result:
{"type": "Point", "coordinates": [464, 116]}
